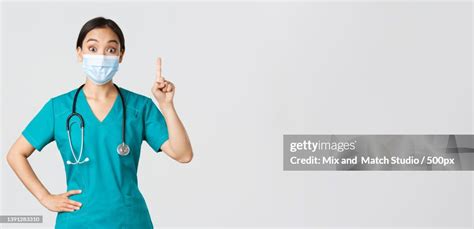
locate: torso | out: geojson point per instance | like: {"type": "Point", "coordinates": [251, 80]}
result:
{"type": "Point", "coordinates": [107, 179]}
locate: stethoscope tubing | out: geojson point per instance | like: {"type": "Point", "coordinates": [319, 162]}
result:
{"type": "Point", "coordinates": [122, 148]}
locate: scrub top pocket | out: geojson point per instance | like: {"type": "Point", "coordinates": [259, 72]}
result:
{"type": "Point", "coordinates": [80, 180]}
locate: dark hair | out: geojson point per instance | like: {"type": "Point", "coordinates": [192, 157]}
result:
{"type": "Point", "coordinates": [100, 22]}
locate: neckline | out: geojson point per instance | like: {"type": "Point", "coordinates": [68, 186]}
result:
{"type": "Point", "coordinates": [110, 114]}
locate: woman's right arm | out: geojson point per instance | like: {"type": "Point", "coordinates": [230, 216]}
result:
{"type": "Point", "coordinates": [17, 158]}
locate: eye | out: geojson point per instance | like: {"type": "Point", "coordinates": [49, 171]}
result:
{"type": "Point", "coordinates": [111, 50]}
{"type": "Point", "coordinates": [92, 49]}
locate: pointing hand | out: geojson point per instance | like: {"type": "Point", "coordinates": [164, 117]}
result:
{"type": "Point", "coordinates": [162, 90]}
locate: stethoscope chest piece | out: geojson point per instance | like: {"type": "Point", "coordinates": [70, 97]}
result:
{"type": "Point", "coordinates": [123, 149]}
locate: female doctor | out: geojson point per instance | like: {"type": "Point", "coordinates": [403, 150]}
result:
{"type": "Point", "coordinates": [99, 128]}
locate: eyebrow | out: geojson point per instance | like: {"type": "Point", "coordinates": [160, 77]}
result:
{"type": "Point", "coordinates": [110, 41]}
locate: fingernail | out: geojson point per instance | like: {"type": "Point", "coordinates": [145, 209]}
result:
{"type": "Point", "coordinates": [80, 190]}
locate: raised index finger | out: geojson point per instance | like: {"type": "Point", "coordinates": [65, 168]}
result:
{"type": "Point", "coordinates": [159, 77]}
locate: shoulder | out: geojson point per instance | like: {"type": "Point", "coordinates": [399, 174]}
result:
{"type": "Point", "coordinates": [133, 96]}
{"type": "Point", "coordinates": [66, 96]}
{"type": "Point", "coordinates": [62, 103]}
{"type": "Point", "coordinates": [127, 93]}
{"type": "Point", "coordinates": [135, 100]}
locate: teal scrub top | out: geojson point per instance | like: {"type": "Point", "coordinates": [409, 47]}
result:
{"type": "Point", "coordinates": [110, 195]}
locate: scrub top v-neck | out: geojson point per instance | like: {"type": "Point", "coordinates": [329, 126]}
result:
{"type": "Point", "coordinates": [91, 112]}
{"type": "Point", "coordinates": [110, 194]}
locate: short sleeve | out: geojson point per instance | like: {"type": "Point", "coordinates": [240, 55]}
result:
{"type": "Point", "coordinates": [155, 129]}
{"type": "Point", "coordinates": [40, 130]}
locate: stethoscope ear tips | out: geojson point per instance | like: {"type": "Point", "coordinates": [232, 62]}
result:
{"type": "Point", "coordinates": [78, 162]}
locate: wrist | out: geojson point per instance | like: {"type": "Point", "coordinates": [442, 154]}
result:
{"type": "Point", "coordinates": [166, 106]}
{"type": "Point", "coordinates": [43, 196]}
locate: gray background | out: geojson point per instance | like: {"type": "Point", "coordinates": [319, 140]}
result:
{"type": "Point", "coordinates": [247, 73]}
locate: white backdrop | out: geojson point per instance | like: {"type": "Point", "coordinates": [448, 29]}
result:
{"type": "Point", "coordinates": [247, 73]}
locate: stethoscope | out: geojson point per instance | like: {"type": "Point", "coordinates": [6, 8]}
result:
{"type": "Point", "coordinates": [122, 148]}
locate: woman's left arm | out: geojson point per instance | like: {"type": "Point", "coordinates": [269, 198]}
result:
{"type": "Point", "coordinates": [178, 146]}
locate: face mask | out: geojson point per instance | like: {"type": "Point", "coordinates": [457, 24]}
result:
{"type": "Point", "coordinates": [100, 68]}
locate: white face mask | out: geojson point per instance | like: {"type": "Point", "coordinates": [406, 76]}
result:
{"type": "Point", "coordinates": [100, 68]}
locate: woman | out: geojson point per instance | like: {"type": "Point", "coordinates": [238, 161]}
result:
{"type": "Point", "coordinates": [101, 158]}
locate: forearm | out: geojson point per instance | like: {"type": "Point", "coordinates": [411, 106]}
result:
{"type": "Point", "coordinates": [178, 137]}
{"type": "Point", "coordinates": [25, 173]}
